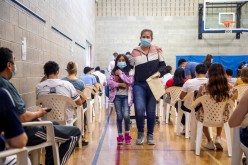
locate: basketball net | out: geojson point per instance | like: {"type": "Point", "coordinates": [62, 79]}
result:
{"type": "Point", "coordinates": [228, 25]}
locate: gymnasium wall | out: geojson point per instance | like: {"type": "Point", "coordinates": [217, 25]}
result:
{"type": "Point", "coordinates": [74, 18]}
{"type": "Point", "coordinates": [176, 32]}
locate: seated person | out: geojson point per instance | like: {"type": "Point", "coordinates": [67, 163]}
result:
{"type": "Point", "coordinates": [89, 79]}
{"type": "Point", "coordinates": [230, 79]}
{"type": "Point", "coordinates": [101, 76]}
{"type": "Point", "coordinates": [10, 127]}
{"type": "Point", "coordinates": [72, 78]}
{"type": "Point", "coordinates": [79, 85]}
{"type": "Point", "coordinates": [193, 85]}
{"type": "Point", "coordinates": [243, 79]}
{"type": "Point", "coordinates": [53, 85]}
{"type": "Point", "coordinates": [178, 79]}
{"type": "Point", "coordinates": [168, 74]}
{"type": "Point", "coordinates": [220, 90]}
{"type": "Point", "coordinates": [189, 68]}
{"type": "Point", "coordinates": [67, 136]}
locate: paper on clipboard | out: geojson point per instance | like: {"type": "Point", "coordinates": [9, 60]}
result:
{"type": "Point", "coordinates": [156, 87]}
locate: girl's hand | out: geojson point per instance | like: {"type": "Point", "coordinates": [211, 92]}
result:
{"type": "Point", "coordinates": [117, 72]}
{"type": "Point", "coordinates": [124, 85]}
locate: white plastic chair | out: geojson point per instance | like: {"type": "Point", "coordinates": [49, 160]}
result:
{"type": "Point", "coordinates": [59, 105]}
{"type": "Point", "coordinates": [21, 153]}
{"type": "Point", "coordinates": [189, 98]}
{"type": "Point", "coordinates": [241, 89]}
{"type": "Point", "coordinates": [159, 109]}
{"type": "Point", "coordinates": [174, 94]}
{"type": "Point", "coordinates": [213, 117]}
{"type": "Point", "coordinates": [83, 94]}
{"type": "Point", "coordinates": [238, 147]}
{"type": "Point", "coordinates": [90, 106]}
{"type": "Point", "coordinates": [35, 150]}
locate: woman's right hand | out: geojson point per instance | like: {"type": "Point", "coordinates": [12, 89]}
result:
{"type": "Point", "coordinates": [124, 85]}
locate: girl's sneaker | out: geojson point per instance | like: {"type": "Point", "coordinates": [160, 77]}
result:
{"type": "Point", "coordinates": [120, 139]}
{"type": "Point", "coordinates": [128, 139]}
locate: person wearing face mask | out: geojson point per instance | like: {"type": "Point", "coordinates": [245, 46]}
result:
{"type": "Point", "coordinates": [66, 136]}
{"type": "Point", "coordinates": [120, 84]}
{"type": "Point", "coordinates": [189, 68]}
{"type": "Point", "coordinates": [148, 60]}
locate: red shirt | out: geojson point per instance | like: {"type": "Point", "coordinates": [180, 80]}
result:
{"type": "Point", "coordinates": [170, 82]}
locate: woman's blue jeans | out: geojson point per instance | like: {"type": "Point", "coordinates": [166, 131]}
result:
{"type": "Point", "coordinates": [144, 102]}
{"type": "Point", "coordinates": [122, 111]}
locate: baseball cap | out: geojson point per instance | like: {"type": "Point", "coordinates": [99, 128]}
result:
{"type": "Point", "coordinates": [87, 69]}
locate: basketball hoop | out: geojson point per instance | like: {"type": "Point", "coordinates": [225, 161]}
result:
{"type": "Point", "coordinates": [227, 24]}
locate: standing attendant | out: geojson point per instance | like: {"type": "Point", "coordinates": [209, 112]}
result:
{"type": "Point", "coordinates": [148, 60]}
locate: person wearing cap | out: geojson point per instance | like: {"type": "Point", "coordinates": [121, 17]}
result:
{"type": "Point", "coordinates": [88, 78]}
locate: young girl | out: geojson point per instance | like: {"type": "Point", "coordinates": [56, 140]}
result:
{"type": "Point", "coordinates": [120, 84]}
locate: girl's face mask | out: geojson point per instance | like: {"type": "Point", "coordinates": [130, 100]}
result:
{"type": "Point", "coordinates": [121, 65]}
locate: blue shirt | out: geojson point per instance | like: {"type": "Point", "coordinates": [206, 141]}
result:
{"type": "Point", "coordinates": [9, 122]}
{"type": "Point", "coordinates": [190, 69]}
{"type": "Point", "coordinates": [88, 79]}
{"type": "Point", "coordinates": [19, 103]}
{"type": "Point", "coordinates": [78, 83]}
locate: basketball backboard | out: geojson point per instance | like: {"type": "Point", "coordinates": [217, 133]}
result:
{"type": "Point", "coordinates": [224, 16]}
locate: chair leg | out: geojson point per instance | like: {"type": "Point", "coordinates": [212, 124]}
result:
{"type": "Point", "coordinates": [89, 117]}
{"type": "Point", "coordinates": [179, 118]}
{"type": "Point", "coordinates": [187, 125]}
{"type": "Point", "coordinates": [35, 157]}
{"type": "Point", "coordinates": [210, 129]}
{"type": "Point", "coordinates": [193, 130]}
{"type": "Point", "coordinates": [198, 138]}
{"type": "Point", "coordinates": [228, 139]}
{"type": "Point", "coordinates": [236, 150]}
{"type": "Point", "coordinates": [22, 158]}
{"type": "Point", "coordinates": [167, 113]}
{"type": "Point", "coordinates": [175, 111]}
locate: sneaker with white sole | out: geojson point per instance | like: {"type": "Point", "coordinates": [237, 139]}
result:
{"type": "Point", "coordinates": [140, 138]}
{"type": "Point", "coordinates": [150, 139]}
{"type": "Point", "coordinates": [218, 143]}
{"type": "Point", "coordinates": [210, 145]}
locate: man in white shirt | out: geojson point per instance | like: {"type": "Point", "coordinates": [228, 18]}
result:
{"type": "Point", "coordinates": [53, 85]}
{"type": "Point", "coordinates": [101, 76]}
{"type": "Point", "coordinates": [192, 85]}
{"type": "Point", "coordinates": [168, 74]}
{"type": "Point", "coordinates": [112, 63]}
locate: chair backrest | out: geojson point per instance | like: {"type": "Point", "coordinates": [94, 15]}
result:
{"type": "Point", "coordinates": [174, 94]}
{"type": "Point", "coordinates": [21, 153]}
{"type": "Point", "coordinates": [213, 111]}
{"type": "Point", "coordinates": [58, 103]}
{"type": "Point", "coordinates": [241, 90]}
{"type": "Point", "coordinates": [188, 100]}
{"type": "Point", "coordinates": [92, 88]}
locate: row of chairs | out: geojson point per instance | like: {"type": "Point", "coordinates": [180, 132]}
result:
{"type": "Point", "coordinates": [213, 117]}
{"type": "Point", "coordinates": [59, 103]}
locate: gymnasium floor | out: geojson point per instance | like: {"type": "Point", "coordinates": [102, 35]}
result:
{"type": "Point", "coordinates": [169, 148]}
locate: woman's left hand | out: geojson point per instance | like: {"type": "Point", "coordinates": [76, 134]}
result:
{"type": "Point", "coordinates": [117, 72]}
{"type": "Point", "coordinates": [156, 75]}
